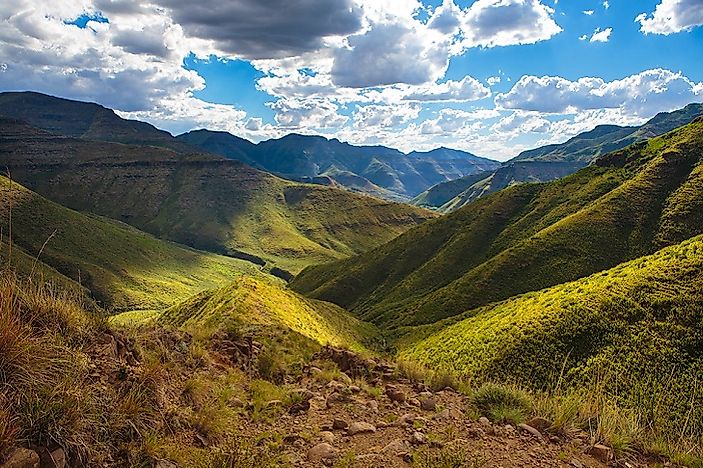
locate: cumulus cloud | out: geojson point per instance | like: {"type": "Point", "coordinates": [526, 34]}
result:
{"type": "Point", "coordinates": [520, 123]}
{"type": "Point", "coordinates": [493, 80]}
{"type": "Point", "coordinates": [672, 16]}
{"type": "Point", "coordinates": [467, 89]}
{"type": "Point", "coordinates": [588, 12]}
{"type": "Point", "coordinates": [264, 29]}
{"type": "Point", "coordinates": [385, 116]}
{"type": "Point", "coordinates": [601, 36]}
{"type": "Point", "coordinates": [455, 121]}
{"type": "Point", "coordinates": [292, 114]}
{"type": "Point", "coordinates": [643, 94]}
{"type": "Point", "coordinates": [491, 23]}
{"type": "Point", "coordinates": [390, 53]}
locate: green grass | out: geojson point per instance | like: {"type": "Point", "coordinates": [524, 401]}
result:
{"type": "Point", "coordinates": [267, 303]}
{"type": "Point", "coordinates": [203, 201]}
{"type": "Point", "coordinates": [632, 332]}
{"type": "Point", "coordinates": [526, 238]}
{"type": "Point", "coordinates": [123, 267]}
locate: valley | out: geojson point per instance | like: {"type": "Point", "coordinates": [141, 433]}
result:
{"type": "Point", "coordinates": [201, 300]}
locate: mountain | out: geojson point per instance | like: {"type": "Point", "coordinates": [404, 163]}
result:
{"type": "Point", "coordinates": [375, 170]}
{"type": "Point", "coordinates": [531, 236]}
{"type": "Point", "coordinates": [634, 329]}
{"type": "Point", "coordinates": [204, 201]}
{"type": "Point", "coordinates": [122, 267]}
{"type": "Point", "coordinates": [551, 162]}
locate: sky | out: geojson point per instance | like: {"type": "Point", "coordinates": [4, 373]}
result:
{"type": "Point", "coordinates": [493, 77]}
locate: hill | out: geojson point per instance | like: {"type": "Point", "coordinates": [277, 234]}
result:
{"type": "Point", "coordinates": [375, 170]}
{"type": "Point", "coordinates": [528, 237]}
{"type": "Point", "coordinates": [201, 200]}
{"type": "Point", "coordinates": [551, 162]}
{"type": "Point", "coordinates": [122, 267]}
{"type": "Point", "coordinates": [632, 331]}
{"type": "Point", "coordinates": [265, 303]}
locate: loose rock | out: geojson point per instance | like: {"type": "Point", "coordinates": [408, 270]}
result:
{"type": "Point", "coordinates": [321, 452]}
{"type": "Point", "coordinates": [22, 458]}
{"type": "Point", "coordinates": [360, 428]}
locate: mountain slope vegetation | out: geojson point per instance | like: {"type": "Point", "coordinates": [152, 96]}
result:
{"type": "Point", "coordinates": [200, 200]}
{"type": "Point", "coordinates": [633, 330]}
{"type": "Point", "coordinates": [551, 162]}
{"type": "Point", "coordinates": [122, 267]}
{"type": "Point", "coordinates": [526, 238]}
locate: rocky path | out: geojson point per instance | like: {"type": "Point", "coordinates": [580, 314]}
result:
{"type": "Point", "coordinates": [345, 422]}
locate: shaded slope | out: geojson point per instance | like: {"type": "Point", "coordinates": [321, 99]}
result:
{"type": "Point", "coordinates": [123, 267]}
{"type": "Point", "coordinates": [248, 300]}
{"type": "Point", "coordinates": [203, 201]}
{"type": "Point", "coordinates": [527, 237]}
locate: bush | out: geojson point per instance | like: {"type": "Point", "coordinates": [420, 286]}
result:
{"type": "Point", "coordinates": [501, 403]}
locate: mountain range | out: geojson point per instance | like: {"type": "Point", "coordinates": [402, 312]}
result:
{"type": "Point", "coordinates": [552, 162]}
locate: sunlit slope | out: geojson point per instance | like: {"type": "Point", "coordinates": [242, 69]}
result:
{"type": "Point", "coordinates": [527, 237]}
{"type": "Point", "coordinates": [123, 267]}
{"type": "Point", "coordinates": [248, 300]}
{"type": "Point", "coordinates": [207, 202]}
{"type": "Point", "coordinates": [635, 329]}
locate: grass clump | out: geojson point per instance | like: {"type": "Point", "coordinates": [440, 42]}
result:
{"type": "Point", "coordinates": [501, 403]}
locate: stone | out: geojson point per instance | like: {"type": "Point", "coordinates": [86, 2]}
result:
{"type": "Point", "coordinates": [601, 453]}
{"type": "Point", "coordinates": [531, 430]}
{"type": "Point", "coordinates": [414, 402]}
{"type": "Point", "coordinates": [22, 458]}
{"type": "Point", "coordinates": [395, 395]}
{"type": "Point", "coordinates": [397, 447]}
{"type": "Point", "coordinates": [449, 414]}
{"type": "Point", "coordinates": [484, 421]}
{"type": "Point", "coordinates": [321, 452]}
{"type": "Point", "coordinates": [373, 405]}
{"type": "Point", "coordinates": [54, 459]}
{"type": "Point", "coordinates": [339, 424]}
{"type": "Point", "coordinates": [428, 404]}
{"type": "Point", "coordinates": [425, 395]}
{"type": "Point", "coordinates": [575, 463]}
{"type": "Point", "coordinates": [327, 436]}
{"type": "Point", "coordinates": [539, 423]}
{"type": "Point", "coordinates": [405, 419]}
{"type": "Point", "coordinates": [360, 427]}
{"type": "Point", "coordinates": [314, 371]}
{"type": "Point", "coordinates": [354, 388]}
{"type": "Point", "coordinates": [300, 407]}
{"type": "Point", "coordinates": [273, 403]}
{"type": "Point", "coordinates": [418, 438]}
{"type": "Point", "coordinates": [236, 402]}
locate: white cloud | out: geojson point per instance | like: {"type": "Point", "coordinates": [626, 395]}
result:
{"type": "Point", "coordinates": [295, 114]}
{"type": "Point", "coordinates": [588, 12]}
{"type": "Point", "coordinates": [493, 80]}
{"type": "Point", "coordinates": [601, 36]}
{"type": "Point", "coordinates": [521, 122]}
{"type": "Point", "coordinates": [456, 122]}
{"type": "Point", "coordinates": [385, 116]}
{"type": "Point", "coordinates": [672, 16]}
{"type": "Point", "coordinates": [467, 89]}
{"type": "Point", "coordinates": [583, 38]}
{"type": "Point", "coordinates": [606, 4]}
{"type": "Point", "coordinates": [642, 95]}
{"type": "Point", "coordinates": [491, 23]}
{"type": "Point", "coordinates": [390, 53]}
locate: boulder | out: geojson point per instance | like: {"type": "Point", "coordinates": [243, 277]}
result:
{"type": "Point", "coordinates": [428, 404]}
{"type": "Point", "coordinates": [327, 436]}
{"type": "Point", "coordinates": [601, 453]}
{"type": "Point", "coordinates": [539, 423]}
{"type": "Point", "coordinates": [418, 438]}
{"type": "Point", "coordinates": [339, 424]}
{"type": "Point", "coordinates": [531, 430]}
{"type": "Point", "coordinates": [397, 447]}
{"type": "Point", "coordinates": [395, 395]}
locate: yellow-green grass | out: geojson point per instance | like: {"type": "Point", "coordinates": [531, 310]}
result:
{"type": "Point", "coordinates": [633, 331]}
{"type": "Point", "coordinates": [265, 302]}
{"type": "Point", "coordinates": [526, 238]}
{"type": "Point", "coordinates": [123, 268]}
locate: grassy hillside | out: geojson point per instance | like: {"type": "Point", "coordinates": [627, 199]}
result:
{"type": "Point", "coordinates": [634, 331]}
{"type": "Point", "coordinates": [526, 238]}
{"type": "Point", "coordinates": [124, 268]}
{"type": "Point", "coordinates": [256, 301]}
{"type": "Point", "coordinates": [203, 201]}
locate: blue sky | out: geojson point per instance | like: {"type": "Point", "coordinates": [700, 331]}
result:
{"type": "Point", "coordinates": [490, 76]}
